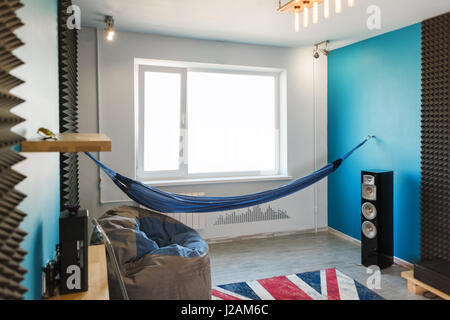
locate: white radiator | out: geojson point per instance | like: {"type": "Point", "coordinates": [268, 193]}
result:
{"type": "Point", "coordinates": [196, 221]}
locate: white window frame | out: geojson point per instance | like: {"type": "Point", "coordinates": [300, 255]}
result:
{"type": "Point", "coordinates": [182, 169]}
{"type": "Point", "coordinates": [181, 175]}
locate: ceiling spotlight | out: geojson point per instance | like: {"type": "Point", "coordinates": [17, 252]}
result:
{"type": "Point", "coordinates": [110, 33]}
{"type": "Point", "coordinates": [317, 51]}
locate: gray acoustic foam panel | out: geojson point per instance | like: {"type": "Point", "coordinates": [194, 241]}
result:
{"type": "Point", "coordinates": [11, 237]}
{"type": "Point", "coordinates": [435, 186]}
{"type": "Point", "coordinates": [68, 104]}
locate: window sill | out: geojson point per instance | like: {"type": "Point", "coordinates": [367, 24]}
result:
{"type": "Point", "coordinates": [183, 182]}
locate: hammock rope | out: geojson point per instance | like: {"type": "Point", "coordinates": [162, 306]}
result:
{"type": "Point", "coordinates": [166, 202]}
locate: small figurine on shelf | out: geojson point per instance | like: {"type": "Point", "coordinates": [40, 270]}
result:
{"type": "Point", "coordinates": [46, 134]}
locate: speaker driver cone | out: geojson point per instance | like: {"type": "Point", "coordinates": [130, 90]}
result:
{"type": "Point", "coordinates": [369, 230]}
{"type": "Point", "coordinates": [369, 211]}
{"type": "Point", "coordinates": [369, 192]}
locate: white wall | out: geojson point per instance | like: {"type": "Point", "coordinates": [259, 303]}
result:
{"type": "Point", "coordinates": [116, 87]}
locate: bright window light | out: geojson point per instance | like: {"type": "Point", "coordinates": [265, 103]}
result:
{"type": "Point", "coordinates": [231, 123]}
{"type": "Point", "coordinates": [207, 122]}
{"type": "Point", "coordinates": [162, 103]}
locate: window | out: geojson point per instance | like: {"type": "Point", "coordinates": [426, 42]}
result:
{"type": "Point", "coordinates": [199, 123]}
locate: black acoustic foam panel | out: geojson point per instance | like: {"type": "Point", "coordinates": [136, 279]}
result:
{"type": "Point", "coordinates": [68, 104]}
{"type": "Point", "coordinates": [435, 186]}
{"type": "Point", "coordinates": [11, 237]}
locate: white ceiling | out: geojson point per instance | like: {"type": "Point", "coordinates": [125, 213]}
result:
{"type": "Point", "coordinates": [253, 21]}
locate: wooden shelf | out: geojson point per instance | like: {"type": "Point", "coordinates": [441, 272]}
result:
{"type": "Point", "coordinates": [70, 142]}
{"type": "Point", "coordinates": [98, 278]}
{"type": "Point", "coordinates": [417, 287]}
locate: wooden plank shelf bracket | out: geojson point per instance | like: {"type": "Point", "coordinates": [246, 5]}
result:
{"type": "Point", "coordinates": [70, 142]}
{"type": "Point", "coordinates": [417, 287]}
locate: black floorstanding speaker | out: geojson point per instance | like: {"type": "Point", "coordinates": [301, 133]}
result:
{"type": "Point", "coordinates": [377, 218]}
{"type": "Point", "coordinates": [73, 245]}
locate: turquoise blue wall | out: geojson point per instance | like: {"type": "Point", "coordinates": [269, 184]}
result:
{"type": "Point", "coordinates": [40, 91]}
{"type": "Point", "coordinates": [374, 87]}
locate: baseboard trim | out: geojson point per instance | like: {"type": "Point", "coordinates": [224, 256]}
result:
{"type": "Point", "coordinates": [264, 235]}
{"type": "Point", "coordinates": [344, 236]}
{"type": "Point", "coordinates": [405, 264]}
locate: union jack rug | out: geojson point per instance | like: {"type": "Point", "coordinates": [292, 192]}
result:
{"type": "Point", "coordinates": [329, 284]}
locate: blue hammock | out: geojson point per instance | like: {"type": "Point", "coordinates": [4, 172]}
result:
{"type": "Point", "coordinates": [167, 202]}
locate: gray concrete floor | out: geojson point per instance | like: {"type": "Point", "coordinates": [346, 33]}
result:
{"type": "Point", "coordinates": [254, 259]}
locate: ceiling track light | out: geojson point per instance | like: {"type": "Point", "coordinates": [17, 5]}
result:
{"type": "Point", "coordinates": [319, 49]}
{"type": "Point", "coordinates": [110, 32]}
{"type": "Point", "coordinates": [298, 6]}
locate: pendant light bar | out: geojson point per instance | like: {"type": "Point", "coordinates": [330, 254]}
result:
{"type": "Point", "coordinates": [298, 6]}
{"type": "Point", "coordinates": [297, 19]}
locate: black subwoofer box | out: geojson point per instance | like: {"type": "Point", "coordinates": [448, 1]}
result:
{"type": "Point", "coordinates": [435, 273]}
{"type": "Point", "coordinates": [73, 243]}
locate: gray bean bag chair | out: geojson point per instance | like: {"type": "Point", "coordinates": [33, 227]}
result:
{"type": "Point", "coordinates": [159, 257]}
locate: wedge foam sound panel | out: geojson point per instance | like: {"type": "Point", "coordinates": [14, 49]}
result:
{"type": "Point", "coordinates": [68, 103]}
{"type": "Point", "coordinates": [435, 158]}
{"type": "Point", "coordinates": [11, 237]}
